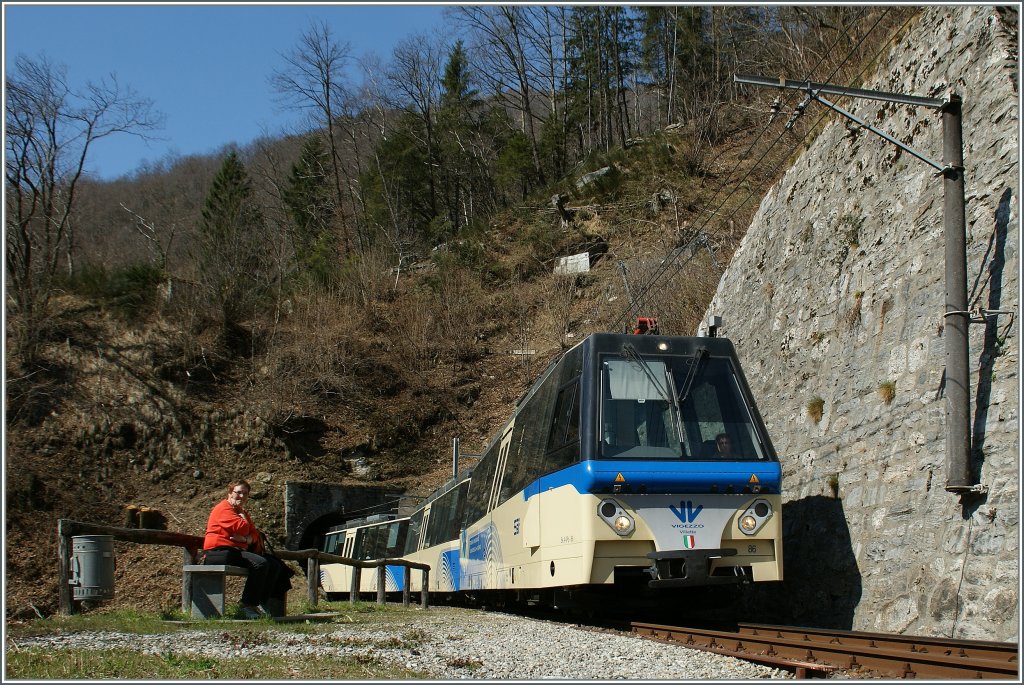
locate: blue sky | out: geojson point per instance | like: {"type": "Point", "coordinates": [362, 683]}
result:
{"type": "Point", "coordinates": [206, 67]}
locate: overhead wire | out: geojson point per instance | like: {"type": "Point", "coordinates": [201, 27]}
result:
{"type": "Point", "coordinates": [669, 262]}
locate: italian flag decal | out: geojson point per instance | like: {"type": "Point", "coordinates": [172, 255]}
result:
{"type": "Point", "coordinates": [689, 542]}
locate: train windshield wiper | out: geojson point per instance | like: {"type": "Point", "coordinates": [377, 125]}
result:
{"type": "Point", "coordinates": [700, 357]}
{"type": "Point", "coordinates": [630, 353]}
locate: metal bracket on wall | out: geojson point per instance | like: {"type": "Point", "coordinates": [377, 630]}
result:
{"type": "Point", "coordinates": [981, 315]}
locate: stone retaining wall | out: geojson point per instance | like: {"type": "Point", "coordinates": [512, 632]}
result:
{"type": "Point", "coordinates": [836, 297]}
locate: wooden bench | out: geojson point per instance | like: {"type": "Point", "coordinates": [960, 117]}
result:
{"type": "Point", "coordinates": [203, 588]}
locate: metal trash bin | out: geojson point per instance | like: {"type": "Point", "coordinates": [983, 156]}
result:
{"type": "Point", "coordinates": [92, 566]}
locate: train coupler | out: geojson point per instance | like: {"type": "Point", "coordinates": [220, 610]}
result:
{"type": "Point", "coordinates": [682, 568]}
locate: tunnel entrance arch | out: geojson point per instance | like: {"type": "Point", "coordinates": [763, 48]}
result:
{"type": "Point", "coordinates": [313, 535]}
{"type": "Point", "coordinates": [311, 508]}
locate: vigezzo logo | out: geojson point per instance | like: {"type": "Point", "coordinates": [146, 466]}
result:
{"type": "Point", "coordinates": [687, 514]}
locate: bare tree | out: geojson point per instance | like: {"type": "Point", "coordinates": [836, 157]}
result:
{"type": "Point", "coordinates": [503, 50]}
{"type": "Point", "coordinates": [415, 77]}
{"type": "Point", "coordinates": [313, 79]}
{"type": "Point", "coordinates": [50, 131]}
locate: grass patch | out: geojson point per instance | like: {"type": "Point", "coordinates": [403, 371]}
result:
{"type": "Point", "coordinates": [887, 391]}
{"type": "Point", "coordinates": [79, 664]}
{"type": "Point", "coordinates": [833, 485]}
{"type": "Point", "coordinates": [121, 663]}
{"type": "Point", "coordinates": [122, 620]}
{"type": "Point", "coordinates": [816, 409]}
{"type": "Point", "coordinates": [133, 621]}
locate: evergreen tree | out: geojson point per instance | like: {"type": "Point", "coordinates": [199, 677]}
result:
{"type": "Point", "coordinates": [234, 256]}
{"type": "Point", "coordinates": [465, 175]}
{"type": "Point", "coordinates": [397, 187]}
{"type": "Point", "coordinates": [311, 206]}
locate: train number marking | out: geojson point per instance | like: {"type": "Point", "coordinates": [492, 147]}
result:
{"type": "Point", "coordinates": [566, 539]}
{"type": "Point", "coordinates": [515, 527]}
{"type": "Point", "coordinates": [751, 549]}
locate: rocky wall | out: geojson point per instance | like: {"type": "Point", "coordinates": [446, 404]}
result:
{"type": "Point", "coordinates": [835, 302]}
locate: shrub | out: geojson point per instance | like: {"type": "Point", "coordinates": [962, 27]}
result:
{"type": "Point", "coordinates": [131, 290]}
{"type": "Point", "coordinates": [816, 408]}
{"type": "Point", "coordinates": [887, 391]}
{"type": "Point", "coordinates": [833, 484]}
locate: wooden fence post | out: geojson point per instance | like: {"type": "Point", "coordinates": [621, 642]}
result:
{"type": "Point", "coordinates": [405, 586]}
{"type": "Point", "coordinates": [425, 590]}
{"type": "Point", "coordinates": [65, 528]}
{"type": "Point", "coordinates": [382, 578]}
{"type": "Point", "coordinates": [312, 579]}
{"type": "Point", "coordinates": [353, 595]}
{"type": "Point", "coordinates": [186, 581]}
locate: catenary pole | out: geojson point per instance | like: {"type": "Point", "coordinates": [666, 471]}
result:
{"type": "Point", "coordinates": [956, 318]}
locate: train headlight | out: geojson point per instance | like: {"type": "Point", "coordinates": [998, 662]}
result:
{"type": "Point", "coordinates": [755, 516]}
{"type": "Point", "coordinates": [616, 517]}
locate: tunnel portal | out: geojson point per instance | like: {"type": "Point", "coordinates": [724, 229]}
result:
{"type": "Point", "coordinates": [310, 509]}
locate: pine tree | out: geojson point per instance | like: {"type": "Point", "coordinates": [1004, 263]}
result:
{"type": "Point", "coordinates": [311, 206]}
{"type": "Point", "coordinates": [462, 168]}
{"type": "Point", "coordinates": [234, 261]}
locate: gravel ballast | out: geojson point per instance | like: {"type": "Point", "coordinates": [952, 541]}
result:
{"type": "Point", "coordinates": [447, 644]}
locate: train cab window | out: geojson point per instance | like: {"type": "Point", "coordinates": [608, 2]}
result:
{"type": "Point", "coordinates": [675, 407]}
{"type": "Point", "coordinates": [717, 420]}
{"type": "Point", "coordinates": [639, 419]}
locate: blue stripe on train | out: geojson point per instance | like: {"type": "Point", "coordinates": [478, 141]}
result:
{"type": "Point", "coordinates": [451, 568]}
{"type": "Point", "coordinates": [396, 574]}
{"type": "Point", "coordinates": [666, 477]}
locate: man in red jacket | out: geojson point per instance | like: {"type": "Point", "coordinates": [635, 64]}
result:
{"type": "Point", "coordinates": [232, 538]}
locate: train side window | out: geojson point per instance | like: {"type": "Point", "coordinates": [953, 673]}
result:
{"type": "Point", "coordinates": [357, 546]}
{"type": "Point", "coordinates": [412, 535]}
{"type": "Point", "coordinates": [565, 428]}
{"type": "Point", "coordinates": [572, 433]}
{"type": "Point", "coordinates": [396, 539]}
{"type": "Point", "coordinates": [480, 485]}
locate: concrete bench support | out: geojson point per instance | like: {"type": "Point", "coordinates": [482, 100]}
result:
{"type": "Point", "coordinates": [206, 588]}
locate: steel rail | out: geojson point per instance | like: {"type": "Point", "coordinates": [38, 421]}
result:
{"type": "Point", "coordinates": [973, 649]}
{"type": "Point", "coordinates": [808, 649]}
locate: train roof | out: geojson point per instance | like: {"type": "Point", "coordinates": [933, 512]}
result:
{"type": "Point", "coordinates": [369, 520]}
{"type": "Point", "coordinates": [603, 343]}
{"type": "Point", "coordinates": [464, 475]}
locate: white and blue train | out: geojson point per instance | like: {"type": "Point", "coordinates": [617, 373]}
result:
{"type": "Point", "coordinates": [634, 461]}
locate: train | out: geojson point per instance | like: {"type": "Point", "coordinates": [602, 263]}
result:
{"type": "Point", "coordinates": [634, 463]}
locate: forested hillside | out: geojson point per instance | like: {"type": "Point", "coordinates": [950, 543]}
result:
{"type": "Point", "coordinates": [336, 304]}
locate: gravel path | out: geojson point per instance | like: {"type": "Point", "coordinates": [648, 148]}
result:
{"type": "Point", "coordinates": [448, 644]}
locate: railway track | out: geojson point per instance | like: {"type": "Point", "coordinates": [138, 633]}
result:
{"type": "Point", "coordinates": [812, 651]}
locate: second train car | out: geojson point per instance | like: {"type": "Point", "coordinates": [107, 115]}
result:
{"type": "Point", "coordinates": [634, 461]}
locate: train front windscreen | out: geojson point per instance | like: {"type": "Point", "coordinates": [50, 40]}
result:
{"type": "Point", "coordinates": [675, 407]}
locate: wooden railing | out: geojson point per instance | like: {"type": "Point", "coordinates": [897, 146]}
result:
{"type": "Point", "coordinates": [190, 544]}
